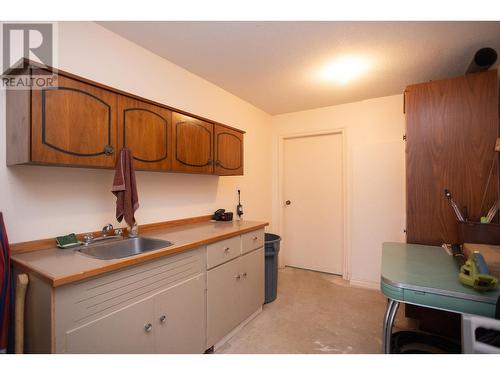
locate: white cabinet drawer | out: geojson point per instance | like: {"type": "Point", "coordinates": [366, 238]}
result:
{"type": "Point", "coordinates": [252, 240]}
{"type": "Point", "coordinates": [223, 251]}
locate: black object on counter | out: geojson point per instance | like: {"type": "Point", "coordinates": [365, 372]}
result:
{"type": "Point", "coordinates": [272, 248]}
{"type": "Point", "coordinates": [222, 215]}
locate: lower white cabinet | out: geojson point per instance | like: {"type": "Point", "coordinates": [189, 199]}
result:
{"type": "Point", "coordinates": [179, 318]}
{"type": "Point", "coordinates": [123, 331]}
{"type": "Point", "coordinates": [235, 290]}
{"type": "Point", "coordinates": [171, 321]}
{"type": "Point", "coordinates": [155, 307]}
{"type": "Point", "coordinates": [169, 305]}
{"type": "Point", "coordinates": [252, 283]}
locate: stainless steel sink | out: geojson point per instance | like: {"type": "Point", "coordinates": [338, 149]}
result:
{"type": "Point", "coordinates": [123, 248]}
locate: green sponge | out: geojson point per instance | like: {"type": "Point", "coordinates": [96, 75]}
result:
{"type": "Point", "coordinates": [67, 241]}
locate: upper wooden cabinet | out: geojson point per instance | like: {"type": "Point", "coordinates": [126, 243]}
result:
{"type": "Point", "coordinates": [82, 123]}
{"type": "Point", "coordinates": [228, 151]}
{"type": "Point", "coordinates": [145, 129]}
{"type": "Point", "coordinates": [73, 124]}
{"type": "Point", "coordinates": [192, 144]}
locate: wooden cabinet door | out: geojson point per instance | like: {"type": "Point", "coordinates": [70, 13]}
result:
{"type": "Point", "coordinates": [180, 318]}
{"type": "Point", "coordinates": [251, 293]}
{"type": "Point", "coordinates": [192, 144]}
{"type": "Point", "coordinates": [145, 129]}
{"type": "Point", "coordinates": [228, 151]}
{"type": "Point", "coordinates": [452, 126]}
{"type": "Point", "coordinates": [122, 332]}
{"type": "Point", "coordinates": [73, 124]}
{"type": "Point", "coordinates": [223, 313]}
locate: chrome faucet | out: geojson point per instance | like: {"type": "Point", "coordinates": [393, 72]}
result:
{"type": "Point", "coordinates": [89, 238]}
{"type": "Point", "coordinates": [106, 229]}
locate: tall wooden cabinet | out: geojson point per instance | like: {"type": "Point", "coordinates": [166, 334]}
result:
{"type": "Point", "coordinates": [452, 126]}
{"type": "Point", "coordinates": [77, 122]}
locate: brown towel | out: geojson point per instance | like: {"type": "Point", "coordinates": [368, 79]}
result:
{"type": "Point", "coordinates": [124, 187]}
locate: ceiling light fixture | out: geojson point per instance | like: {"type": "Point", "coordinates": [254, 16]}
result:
{"type": "Point", "coordinates": [343, 69]}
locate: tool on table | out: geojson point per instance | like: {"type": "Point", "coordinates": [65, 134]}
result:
{"type": "Point", "coordinates": [67, 241]}
{"type": "Point", "coordinates": [475, 273]}
{"type": "Point", "coordinates": [453, 205]}
{"type": "Point", "coordinates": [239, 207]}
{"type": "Point", "coordinates": [21, 286]}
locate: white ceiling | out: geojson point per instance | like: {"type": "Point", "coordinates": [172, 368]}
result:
{"type": "Point", "coordinates": [274, 65]}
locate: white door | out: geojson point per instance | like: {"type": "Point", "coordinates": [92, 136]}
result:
{"type": "Point", "coordinates": [313, 207]}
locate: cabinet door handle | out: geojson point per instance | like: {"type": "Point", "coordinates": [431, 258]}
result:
{"type": "Point", "coordinates": [217, 162]}
{"type": "Point", "coordinates": [237, 277]}
{"type": "Point", "coordinates": [163, 319]}
{"type": "Point", "coordinates": [226, 250]}
{"type": "Point", "coordinates": [209, 162]}
{"type": "Point", "coordinates": [244, 274]}
{"type": "Point", "coordinates": [108, 150]}
{"type": "Point", "coordinates": [255, 238]}
{"type": "Point", "coordinates": [148, 327]}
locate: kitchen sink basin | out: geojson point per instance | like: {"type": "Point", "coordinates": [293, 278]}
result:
{"type": "Point", "coordinates": [116, 249]}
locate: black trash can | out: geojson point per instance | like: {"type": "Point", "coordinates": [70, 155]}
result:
{"type": "Point", "coordinates": [272, 249]}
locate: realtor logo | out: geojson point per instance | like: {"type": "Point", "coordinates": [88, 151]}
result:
{"type": "Point", "coordinates": [32, 41]}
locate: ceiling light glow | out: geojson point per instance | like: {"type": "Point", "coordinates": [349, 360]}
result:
{"type": "Point", "coordinates": [343, 69]}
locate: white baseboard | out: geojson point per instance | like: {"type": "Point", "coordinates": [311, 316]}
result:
{"type": "Point", "coordinates": [236, 330]}
{"type": "Point", "coordinates": [365, 284]}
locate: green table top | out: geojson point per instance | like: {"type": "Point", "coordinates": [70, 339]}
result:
{"type": "Point", "coordinates": [427, 269]}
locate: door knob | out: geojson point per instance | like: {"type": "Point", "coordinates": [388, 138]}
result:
{"type": "Point", "coordinates": [108, 150]}
{"type": "Point", "coordinates": [288, 203]}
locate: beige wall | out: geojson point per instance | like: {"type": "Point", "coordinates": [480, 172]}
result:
{"type": "Point", "coordinates": [374, 172]}
{"type": "Point", "coordinates": [40, 202]}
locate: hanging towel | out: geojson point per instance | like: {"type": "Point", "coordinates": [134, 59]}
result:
{"type": "Point", "coordinates": [6, 290]}
{"type": "Point", "coordinates": [124, 187]}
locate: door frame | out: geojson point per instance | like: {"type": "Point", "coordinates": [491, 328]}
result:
{"type": "Point", "coordinates": [346, 251]}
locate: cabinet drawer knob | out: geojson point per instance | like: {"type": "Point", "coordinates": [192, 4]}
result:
{"type": "Point", "coordinates": [244, 274]}
{"type": "Point", "coordinates": [237, 277]}
{"type": "Point", "coordinates": [148, 327]}
{"type": "Point", "coordinates": [226, 250]}
{"type": "Point", "coordinates": [255, 238]}
{"type": "Point", "coordinates": [108, 150]}
{"type": "Point", "coordinates": [163, 318]}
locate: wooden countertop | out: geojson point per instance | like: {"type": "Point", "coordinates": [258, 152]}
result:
{"type": "Point", "coordinates": [63, 266]}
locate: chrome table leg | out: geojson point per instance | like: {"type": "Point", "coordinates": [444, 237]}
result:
{"type": "Point", "coordinates": [392, 309]}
